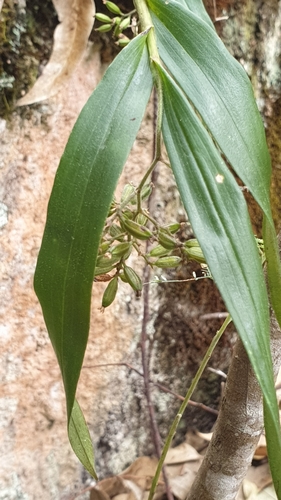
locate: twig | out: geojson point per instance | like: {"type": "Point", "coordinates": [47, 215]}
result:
{"type": "Point", "coordinates": [215, 315]}
{"type": "Point", "coordinates": [216, 18]}
{"type": "Point", "coordinates": [184, 404]}
{"type": "Point", "coordinates": [160, 386]}
{"type": "Point", "coordinates": [217, 372]}
{"type": "Point", "coordinates": [157, 103]}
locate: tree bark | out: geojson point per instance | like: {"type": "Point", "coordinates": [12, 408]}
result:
{"type": "Point", "coordinates": [252, 35]}
{"type": "Point", "coordinates": [238, 428]}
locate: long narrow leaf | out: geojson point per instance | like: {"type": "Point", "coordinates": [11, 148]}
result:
{"type": "Point", "coordinates": [197, 7]}
{"type": "Point", "coordinates": [84, 185]}
{"type": "Point", "coordinates": [80, 439]}
{"type": "Point", "coordinates": [219, 89]}
{"type": "Point", "coordinates": [219, 216]}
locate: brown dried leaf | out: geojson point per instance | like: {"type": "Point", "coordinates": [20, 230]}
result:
{"type": "Point", "coordinates": [142, 467]}
{"type": "Point", "coordinates": [122, 496]}
{"type": "Point", "coordinates": [136, 489]}
{"type": "Point", "coordinates": [205, 435]}
{"type": "Point", "coordinates": [97, 494]}
{"type": "Point", "coordinates": [182, 453]}
{"type": "Point", "coordinates": [261, 449]}
{"type": "Point", "coordinates": [260, 476]}
{"type": "Point", "coordinates": [180, 485]}
{"type": "Point", "coordinates": [112, 486]}
{"type": "Point", "coordinates": [70, 41]}
{"type": "Point", "coordinates": [267, 494]}
{"type": "Point", "coordinates": [249, 489]}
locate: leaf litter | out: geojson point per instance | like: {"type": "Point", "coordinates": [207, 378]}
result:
{"type": "Point", "coordinates": [182, 464]}
{"type": "Point", "coordinates": [70, 42]}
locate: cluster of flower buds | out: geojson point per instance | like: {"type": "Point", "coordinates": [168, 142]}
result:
{"type": "Point", "coordinates": [118, 23]}
{"type": "Point", "coordinates": [127, 229]}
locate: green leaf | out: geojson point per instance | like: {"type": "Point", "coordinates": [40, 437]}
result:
{"type": "Point", "coordinates": [221, 93]}
{"type": "Point", "coordinates": [219, 89]}
{"type": "Point", "coordinates": [197, 7]}
{"type": "Point", "coordinates": [273, 267]}
{"type": "Point", "coordinates": [83, 189]}
{"type": "Point", "coordinates": [273, 443]}
{"type": "Point", "coordinates": [80, 439]}
{"type": "Point", "coordinates": [218, 214]}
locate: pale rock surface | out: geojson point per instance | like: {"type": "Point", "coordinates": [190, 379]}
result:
{"type": "Point", "coordinates": [36, 460]}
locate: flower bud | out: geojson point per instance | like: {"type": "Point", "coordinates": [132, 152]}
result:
{"type": "Point", "coordinates": [127, 193]}
{"type": "Point", "coordinates": [195, 253]}
{"type": "Point", "coordinates": [174, 227]}
{"type": "Point", "coordinates": [104, 28]}
{"type": "Point", "coordinates": [158, 251]}
{"type": "Point", "coordinates": [103, 261]}
{"type": "Point", "coordinates": [115, 231]}
{"type": "Point", "coordinates": [103, 270]}
{"type": "Point", "coordinates": [191, 243]}
{"type": "Point", "coordinates": [137, 230]}
{"type": "Point", "coordinates": [133, 278]}
{"type": "Point", "coordinates": [103, 18]}
{"type": "Point", "coordinates": [104, 247]}
{"type": "Point", "coordinates": [146, 191]}
{"type": "Point", "coordinates": [125, 23]}
{"type": "Point", "coordinates": [141, 219]}
{"type": "Point", "coordinates": [122, 42]}
{"type": "Point", "coordinates": [110, 292]}
{"type": "Point", "coordinates": [122, 249]}
{"type": "Point", "coordinates": [166, 240]}
{"type": "Point", "coordinates": [170, 261]}
{"type": "Point", "coordinates": [112, 7]}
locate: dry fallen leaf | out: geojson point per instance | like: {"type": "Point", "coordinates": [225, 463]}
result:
{"type": "Point", "coordinates": [182, 453]}
{"type": "Point", "coordinates": [267, 494]}
{"type": "Point", "coordinates": [136, 490]}
{"type": "Point", "coordinates": [108, 488]}
{"type": "Point", "coordinates": [70, 41]}
{"type": "Point", "coordinates": [249, 489]}
{"type": "Point", "coordinates": [97, 494]}
{"type": "Point", "coordinates": [134, 483]}
{"type": "Point", "coordinates": [261, 449]}
{"type": "Point", "coordinates": [180, 485]}
{"type": "Point", "coordinates": [143, 468]}
{"type": "Point", "coordinates": [205, 435]}
{"type": "Point", "coordinates": [260, 476]}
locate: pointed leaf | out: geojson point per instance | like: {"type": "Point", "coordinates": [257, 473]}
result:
{"type": "Point", "coordinates": [221, 92]}
{"type": "Point", "coordinates": [80, 439]}
{"type": "Point", "coordinates": [273, 266]}
{"type": "Point", "coordinates": [218, 214]}
{"type": "Point", "coordinates": [84, 185]}
{"type": "Point", "coordinates": [219, 89]}
{"type": "Point", "coordinates": [197, 7]}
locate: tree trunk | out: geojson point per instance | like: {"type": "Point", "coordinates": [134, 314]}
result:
{"type": "Point", "coordinates": [237, 430]}
{"type": "Point", "coordinates": [240, 420]}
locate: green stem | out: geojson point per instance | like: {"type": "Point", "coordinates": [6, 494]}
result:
{"type": "Point", "coordinates": [147, 25]}
{"type": "Point", "coordinates": [184, 404]}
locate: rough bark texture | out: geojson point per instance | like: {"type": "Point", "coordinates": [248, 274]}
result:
{"type": "Point", "coordinates": [240, 420]}
{"type": "Point", "coordinates": [237, 429]}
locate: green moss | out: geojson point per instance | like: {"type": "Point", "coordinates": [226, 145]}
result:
{"type": "Point", "coordinates": [26, 34]}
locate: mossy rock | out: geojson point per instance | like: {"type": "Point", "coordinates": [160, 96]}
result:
{"type": "Point", "coordinates": [26, 37]}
